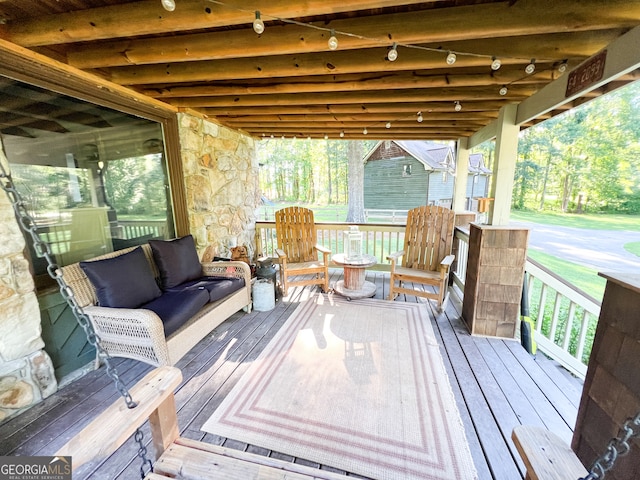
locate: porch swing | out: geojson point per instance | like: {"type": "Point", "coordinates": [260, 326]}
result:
{"type": "Point", "coordinates": [152, 398]}
{"type": "Point", "coordinates": [545, 455]}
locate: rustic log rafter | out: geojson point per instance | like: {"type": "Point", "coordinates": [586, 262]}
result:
{"type": "Point", "coordinates": [206, 57]}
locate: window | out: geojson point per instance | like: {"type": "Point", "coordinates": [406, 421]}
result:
{"type": "Point", "coordinates": [95, 180]}
{"type": "Point", "coordinates": [406, 170]}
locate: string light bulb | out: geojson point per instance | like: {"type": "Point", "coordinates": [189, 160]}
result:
{"type": "Point", "coordinates": [451, 58]}
{"type": "Point", "coordinates": [420, 117]}
{"type": "Point", "coordinates": [457, 107]}
{"type": "Point", "coordinates": [364, 131]}
{"type": "Point", "coordinates": [258, 24]}
{"type": "Point", "coordinates": [503, 90]}
{"type": "Point", "coordinates": [388, 125]}
{"type": "Point", "coordinates": [495, 63]}
{"type": "Point", "coordinates": [392, 56]}
{"type": "Point", "coordinates": [342, 134]}
{"type": "Point", "coordinates": [562, 67]}
{"type": "Point", "coordinates": [333, 41]}
{"type": "Point", "coordinates": [326, 137]}
{"type": "Point", "coordinates": [272, 135]}
{"type": "Point", "coordinates": [529, 69]}
{"type": "Point", "coordinates": [168, 5]}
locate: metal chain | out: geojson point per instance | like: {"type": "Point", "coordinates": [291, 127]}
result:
{"type": "Point", "coordinates": [42, 250]}
{"type": "Point", "coordinates": [618, 447]}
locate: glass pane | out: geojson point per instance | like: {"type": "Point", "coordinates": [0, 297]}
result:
{"type": "Point", "coordinates": [94, 179]}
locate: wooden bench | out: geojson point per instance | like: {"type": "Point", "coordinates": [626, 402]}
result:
{"type": "Point", "coordinates": [176, 457]}
{"type": "Point", "coordinates": [545, 455]}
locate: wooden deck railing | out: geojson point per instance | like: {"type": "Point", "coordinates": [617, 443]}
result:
{"type": "Point", "coordinates": [378, 239]}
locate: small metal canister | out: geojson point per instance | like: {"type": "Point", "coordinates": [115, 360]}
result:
{"type": "Point", "coordinates": [267, 270]}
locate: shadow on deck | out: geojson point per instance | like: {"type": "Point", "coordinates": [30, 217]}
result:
{"type": "Point", "coordinates": [497, 386]}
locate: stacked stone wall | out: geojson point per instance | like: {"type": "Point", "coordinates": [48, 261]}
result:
{"type": "Point", "coordinates": [221, 179]}
{"type": "Point", "coordinates": [26, 371]}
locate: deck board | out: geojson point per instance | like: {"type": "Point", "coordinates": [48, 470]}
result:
{"type": "Point", "coordinates": [496, 383]}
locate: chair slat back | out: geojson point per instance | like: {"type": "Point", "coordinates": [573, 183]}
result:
{"type": "Point", "coordinates": [428, 237]}
{"type": "Point", "coordinates": [296, 233]}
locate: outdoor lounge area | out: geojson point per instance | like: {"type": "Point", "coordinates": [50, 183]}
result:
{"type": "Point", "coordinates": [129, 121]}
{"type": "Point", "coordinates": [497, 385]}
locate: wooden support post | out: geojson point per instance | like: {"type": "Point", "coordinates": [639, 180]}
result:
{"type": "Point", "coordinates": [506, 156]}
{"type": "Point", "coordinates": [462, 175]}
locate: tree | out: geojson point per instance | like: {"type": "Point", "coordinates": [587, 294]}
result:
{"type": "Point", "coordinates": [355, 213]}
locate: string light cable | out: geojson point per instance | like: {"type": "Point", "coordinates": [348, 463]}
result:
{"type": "Point", "coordinates": [451, 55]}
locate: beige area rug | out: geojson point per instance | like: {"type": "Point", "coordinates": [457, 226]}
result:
{"type": "Point", "coordinates": [357, 385]}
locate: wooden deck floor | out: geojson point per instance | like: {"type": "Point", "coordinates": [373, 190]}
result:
{"type": "Point", "coordinates": [497, 386]}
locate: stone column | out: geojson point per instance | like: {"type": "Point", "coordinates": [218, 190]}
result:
{"type": "Point", "coordinates": [26, 371]}
{"type": "Point", "coordinates": [221, 179]}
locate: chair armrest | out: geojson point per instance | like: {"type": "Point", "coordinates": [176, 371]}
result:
{"type": "Point", "coordinates": [107, 432]}
{"type": "Point", "coordinates": [393, 257]}
{"type": "Point", "coordinates": [130, 332]}
{"type": "Point", "coordinates": [227, 269]}
{"type": "Point", "coordinates": [447, 261]}
{"type": "Point", "coordinates": [323, 250]}
{"type": "Point", "coordinates": [281, 253]}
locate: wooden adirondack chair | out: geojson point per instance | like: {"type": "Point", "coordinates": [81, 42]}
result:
{"type": "Point", "coordinates": [426, 257]}
{"type": "Point", "coordinates": [298, 251]}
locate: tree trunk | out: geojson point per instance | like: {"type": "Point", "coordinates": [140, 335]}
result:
{"type": "Point", "coordinates": [355, 177]}
{"type": "Point", "coordinates": [544, 182]}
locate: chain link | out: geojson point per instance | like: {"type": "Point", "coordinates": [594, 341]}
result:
{"type": "Point", "coordinates": [617, 447]}
{"type": "Point", "coordinates": [42, 250]}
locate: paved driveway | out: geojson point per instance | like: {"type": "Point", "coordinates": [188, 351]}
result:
{"type": "Point", "coordinates": [602, 250]}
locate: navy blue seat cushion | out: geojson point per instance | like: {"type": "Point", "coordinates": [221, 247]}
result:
{"type": "Point", "coordinates": [177, 261]}
{"type": "Point", "coordinates": [125, 281]}
{"type": "Point", "coordinates": [217, 287]}
{"type": "Point", "coordinates": [175, 308]}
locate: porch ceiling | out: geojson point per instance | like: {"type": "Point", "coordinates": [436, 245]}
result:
{"type": "Point", "coordinates": [206, 56]}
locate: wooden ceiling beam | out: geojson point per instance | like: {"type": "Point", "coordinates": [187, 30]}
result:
{"type": "Point", "coordinates": [311, 125]}
{"type": "Point", "coordinates": [294, 39]}
{"type": "Point", "coordinates": [384, 81]}
{"type": "Point", "coordinates": [325, 63]}
{"type": "Point", "coordinates": [382, 108]}
{"type": "Point", "coordinates": [149, 18]}
{"type": "Point", "coordinates": [395, 117]}
{"type": "Point", "coordinates": [516, 93]}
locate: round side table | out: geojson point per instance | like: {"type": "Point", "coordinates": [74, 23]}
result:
{"type": "Point", "coordinates": [354, 285]}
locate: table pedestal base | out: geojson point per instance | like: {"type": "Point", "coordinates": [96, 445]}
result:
{"type": "Point", "coordinates": [367, 289]}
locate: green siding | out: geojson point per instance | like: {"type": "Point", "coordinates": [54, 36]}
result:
{"type": "Point", "coordinates": [65, 340]}
{"type": "Point", "coordinates": [385, 187]}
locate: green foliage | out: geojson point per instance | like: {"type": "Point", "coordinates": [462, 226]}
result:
{"type": "Point", "coordinates": [585, 159]}
{"type": "Point", "coordinates": [307, 171]}
{"type": "Point", "coordinates": [136, 186]}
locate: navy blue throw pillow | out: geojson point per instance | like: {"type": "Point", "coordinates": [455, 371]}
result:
{"type": "Point", "coordinates": [125, 281]}
{"type": "Point", "coordinates": [177, 261]}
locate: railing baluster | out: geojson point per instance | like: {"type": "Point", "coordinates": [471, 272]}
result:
{"type": "Point", "coordinates": [569, 327]}
{"type": "Point", "coordinates": [584, 328]}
